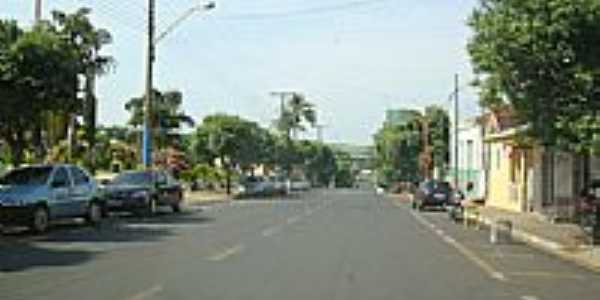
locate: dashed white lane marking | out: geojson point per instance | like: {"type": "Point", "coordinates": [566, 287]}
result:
{"type": "Point", "coordinates": [147, 294]}
{"type": "Point", "coordinates": [226, 253]}
{"type": "Point", "coordinates": [271, 231]}
{"type": "Point", "coordinates": [529, 298]}
{"type": "Point", "coordinates": [292, 220]}
{"type": "Point", "coordinates": [466, 252]}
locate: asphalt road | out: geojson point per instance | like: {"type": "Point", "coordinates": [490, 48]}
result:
{"type": "Point", "coordinates": [320, 245]}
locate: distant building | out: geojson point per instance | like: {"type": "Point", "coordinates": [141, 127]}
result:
{"type": "Point", "coordinates": [401, 117]}
{"type": "Point", "coordinates": [361, 156]}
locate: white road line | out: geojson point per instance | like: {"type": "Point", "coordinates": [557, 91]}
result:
{"type": "Point", "coordinates": [147, 294]}
{"type": "Point", "coordinates": [466, 252]}
{"type": "Point", "coordinates": [271, 231]}
{"type": "Point", "coordinates": [529, 298]}
{"type": "Point", "coordinates": [226, 253]}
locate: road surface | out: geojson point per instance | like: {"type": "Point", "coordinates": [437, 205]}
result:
{"type": "Point", "coordinates": [334, 245]}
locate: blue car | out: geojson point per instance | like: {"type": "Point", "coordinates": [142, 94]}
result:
{"type": "Point", "coordinates": [33, 196]}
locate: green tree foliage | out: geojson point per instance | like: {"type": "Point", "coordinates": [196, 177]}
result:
{"type": "Point", "coordinates": [438, 124]}
{"type": "Point", "coordinates": [87, 42]}
{"type": "Point", "coordinates": [298, 112]}
{"type": "Point", "coordinates": [318, 160]}
{"type": "Point", "coordinates": [40, 69]}
{"type": "Point", "coordinates": [410, 151]}
{"type": "Point", "coordinates": [236, 142]}
{"type": "Point", "coordinates": [397, 152]}
{"type": "Point", "coordinates": [542, 57]}
{"type": "Point", "coordinates": [168, 116]}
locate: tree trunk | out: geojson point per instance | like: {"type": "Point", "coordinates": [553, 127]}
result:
{"type": "Point", "coordinates": [37, 141]}
{"type": "Point", "coordinates": [16, 148]}
{"type": "Point", "coordinates": [228, 180]}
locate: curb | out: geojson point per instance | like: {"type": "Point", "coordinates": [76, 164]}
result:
{"type": "Point", "coordinates": [581, 259]}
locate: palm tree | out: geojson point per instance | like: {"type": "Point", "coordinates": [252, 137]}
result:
{"type": "Point", "coordinates": [297, 113]}
{"type": "Point", "coordinates": [168, 115]}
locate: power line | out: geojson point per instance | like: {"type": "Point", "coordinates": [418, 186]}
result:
{"type": "Point", "coordinates": [307, 11]}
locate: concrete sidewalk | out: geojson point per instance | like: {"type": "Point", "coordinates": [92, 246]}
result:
{"type": "Point", "coordinates": [206, 197]}
{"type": "Point", "coordinates": [564, 240]}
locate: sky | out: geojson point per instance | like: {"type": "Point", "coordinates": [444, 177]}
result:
{"type": "Point", "coordinates": [353, 59]}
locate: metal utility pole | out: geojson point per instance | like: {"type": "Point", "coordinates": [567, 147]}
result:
{"type": "Point", "coordinates": [148, 118]}
{"type": "Point", "coordinates": [456, 121]}
{"type": "Point", "coordinates": [150, 58]}
{"type": "Point", "coordinates": [37, 12]}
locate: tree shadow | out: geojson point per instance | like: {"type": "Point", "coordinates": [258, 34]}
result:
{"type": "Point", "coordinates": [18, 257]}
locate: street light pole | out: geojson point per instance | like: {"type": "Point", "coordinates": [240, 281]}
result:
{"type": "Point", "coordinates": [150, 58]}
{"type": "Point", "coordinates": [148, 118]}
{"type": "Point", "coordinates": [37, 12]}
{"type": "Point", "coordinates": [456, 120]}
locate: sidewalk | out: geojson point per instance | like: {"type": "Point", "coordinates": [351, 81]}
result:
{"type": "Point", "coordinates": [205, 197]}
{"type": "Point", "coordinates": [567, 241]}
{"type": "Point", "coordinates": [401, 198]}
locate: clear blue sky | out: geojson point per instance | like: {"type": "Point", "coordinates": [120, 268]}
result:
{"type": "Point", "coordinates": [353, 59]}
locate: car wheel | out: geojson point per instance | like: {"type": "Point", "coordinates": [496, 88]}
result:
{"type": "Point", "coordinates": [94, 215]}
{"type": "Point", "coordinates": [176, 207]}
{"type": "Point", "coordinates": [421, 207]}
{"type": "Point", "coordinates": [152, 207]}
{"type": "Point", "coordinates": [40, 220]}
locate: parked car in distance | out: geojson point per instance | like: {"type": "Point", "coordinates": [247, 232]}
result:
{"type": "Point", "coordinates": [35, 195]}
{"type": "Point", "coordinates": [280, 185]}
{"type": "Point", "coordinates": [299, 184]}
{"type": "Point", "coordinates": [256, 186]}
{"type": "Point", "coordinates": [142, 192]}
{"type": "Point", "coordinates": [432, 193]}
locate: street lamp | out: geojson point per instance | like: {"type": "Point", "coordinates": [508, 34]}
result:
{"type": "Point", "coordinates": [151, 54]}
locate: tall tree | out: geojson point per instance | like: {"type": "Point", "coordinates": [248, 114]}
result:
{"type": "Point", "coordinates": [296, 115]}
{"type": "Point", "coordinates": [87, 42]}
{"type": "Point", "coordinates": [542, 57]}
{"type": "Point", "coordinates": [37, 69]}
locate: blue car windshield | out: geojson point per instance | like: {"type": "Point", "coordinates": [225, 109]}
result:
{"type": "Point", "coordinates": [27, 176]}
{"type": "Point", "coordinates": [134, 178]}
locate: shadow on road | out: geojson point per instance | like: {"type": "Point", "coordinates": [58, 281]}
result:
{"type": "Point", "coordinates": [72, 244]}
{"type": "Point", "coordinates": [22, 256]}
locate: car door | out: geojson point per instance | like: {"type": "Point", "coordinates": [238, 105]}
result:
{"type": "Point", "coordinates": [60, 185]}
{"type": "Point", "coordinates": [171, 188]}
{"type": "Point", "coordinates": [82, 191]}
{"type": "Point", "coordinates": [162, 188]}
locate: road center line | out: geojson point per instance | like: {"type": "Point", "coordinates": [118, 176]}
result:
{"type": "Point", "coordinates": [226, 253]}
{"type": "Point", "coordinates": [147, 293]}
{"type": "Point", "coordinates": [466, 252]}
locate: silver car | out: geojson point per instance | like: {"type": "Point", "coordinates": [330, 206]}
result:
{"type": "Point", "coordinates": [33, 196]}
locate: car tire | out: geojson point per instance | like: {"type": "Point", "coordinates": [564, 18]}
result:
{"type": "Point", "coordinates": [421, 207]}
{"type": "Point", "coordinates": [176, 207]}
{"type": "Point", "coordinates": [94, 214]}
{"type": "Point", "coordinates": [40, 220]}
{"type": "Point", "coordinates": [151, 208]}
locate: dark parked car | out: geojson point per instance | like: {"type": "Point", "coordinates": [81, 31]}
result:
{"type": "Point", "coordinates": [142, 192]}
{"type": "Point", "coordinates": [432, 193]}
{"type": "Point", "coordinates": [33, 196]}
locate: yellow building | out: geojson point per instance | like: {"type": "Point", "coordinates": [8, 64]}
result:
{"type": "Point", "coordinates": [510, 171]}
